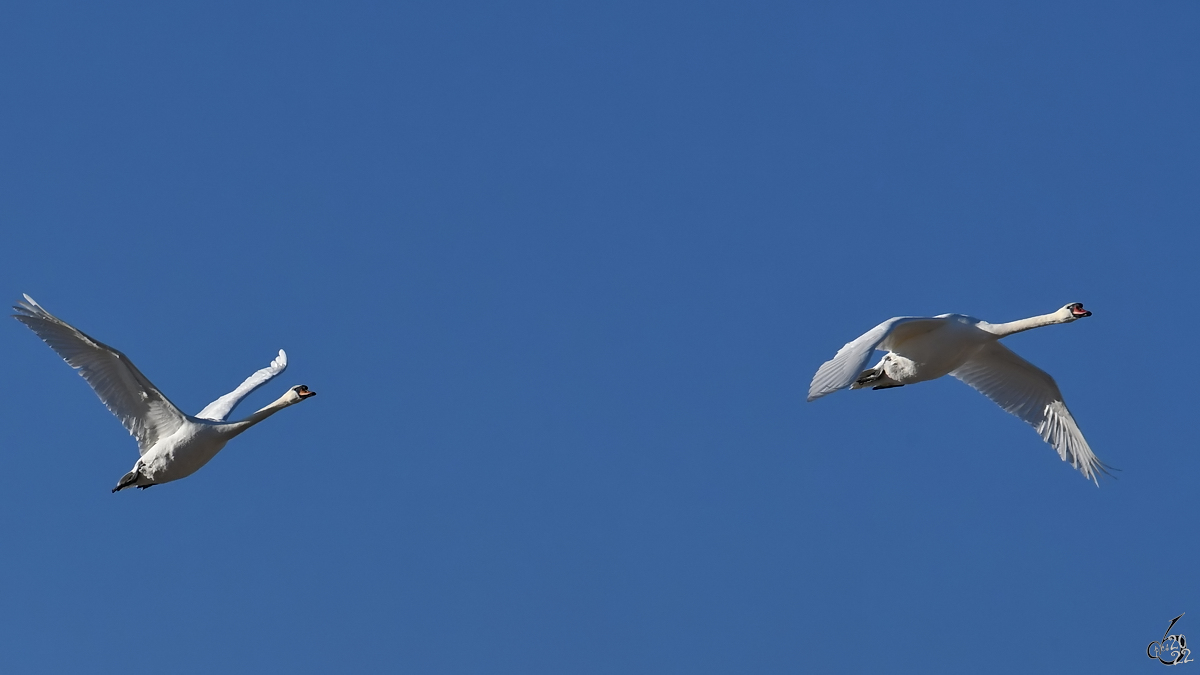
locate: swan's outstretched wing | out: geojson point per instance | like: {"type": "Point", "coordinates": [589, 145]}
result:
{"type": "Point", "coordinates": [1030, 393]}
{"type": "Point", "coordinates": [140, 406]}
{"type": "Point", "coordinates": [845, 367]}
{"type": "Point", "coordinates": [219, 409]}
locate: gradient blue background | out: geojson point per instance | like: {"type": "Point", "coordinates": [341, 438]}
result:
{"type": "Point", "coordinates": [561, 274]}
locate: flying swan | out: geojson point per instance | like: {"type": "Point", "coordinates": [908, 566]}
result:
{"type": "Point", "coordinates": [926, 348]}
{"type": "Point", "coordinates": [172, 445]}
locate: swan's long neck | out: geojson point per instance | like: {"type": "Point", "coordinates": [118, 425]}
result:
{"type": "Point", "coordinates": [1005, 329]}
{"type": "Point", "coordinates": [235, 428]}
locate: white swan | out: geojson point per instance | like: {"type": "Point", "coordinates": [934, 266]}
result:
{"type": "Point", "coordinates": [926, 348]}
{"type": "Point", "coordinates": [172, 445]}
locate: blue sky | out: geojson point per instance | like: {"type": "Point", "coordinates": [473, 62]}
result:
{"type": "Point", "coordinates": [561, 274]}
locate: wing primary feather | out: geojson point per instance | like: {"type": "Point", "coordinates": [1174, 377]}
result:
{"type": "Point", "coordinates": [1029, 393]}
{"type": "Point", "coordinates": [220, 409]}
{"type": "Point", "coordinates": [142, 409]}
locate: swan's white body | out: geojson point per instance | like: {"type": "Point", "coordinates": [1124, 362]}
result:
{"type": "Point", "coordinates": [926, 348]}
{"type": "Point", "coordinates": [172, 445]}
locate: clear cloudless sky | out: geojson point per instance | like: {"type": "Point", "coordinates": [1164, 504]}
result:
{"type": "Point", "coordinates": [561, 274]}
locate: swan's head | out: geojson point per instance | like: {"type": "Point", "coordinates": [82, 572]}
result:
{"type": "Point", "coordinates": [299, 393]}
{"type": "Point", "coordinates": [1075, 311]}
